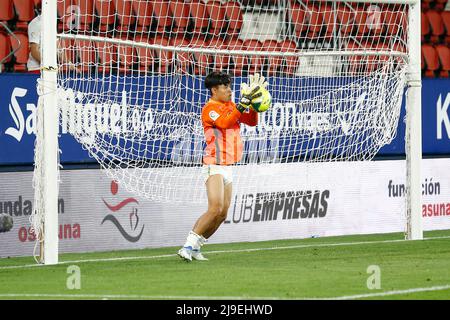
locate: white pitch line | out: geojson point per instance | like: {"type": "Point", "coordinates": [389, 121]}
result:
{"type": "Point", "coordinates": [224, 251]}
{"type": "Point", "coordinates": [132, 296]}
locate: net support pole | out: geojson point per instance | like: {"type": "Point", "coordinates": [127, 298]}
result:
{"type": "Point", "coordinates": [413, 145]}
{"type": "Point", "coordinates": [50, 125]}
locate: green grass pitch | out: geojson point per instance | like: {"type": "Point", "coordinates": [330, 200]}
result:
{"type": "Point", "coordinates": [331, 267]}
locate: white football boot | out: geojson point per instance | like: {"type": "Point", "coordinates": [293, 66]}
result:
{"type": "Point", "coordinates": [185, 253]}
{"type": "Point", "coordinates": [197, 255]}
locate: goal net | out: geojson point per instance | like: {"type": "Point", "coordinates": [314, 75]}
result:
{"type": "Point", "coordinates": [130, 83]}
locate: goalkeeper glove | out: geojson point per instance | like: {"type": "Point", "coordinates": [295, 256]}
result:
{"type": "Point", "coordinates": [247, 95]}
{"type": "Point", "coordinates": [258, 80]}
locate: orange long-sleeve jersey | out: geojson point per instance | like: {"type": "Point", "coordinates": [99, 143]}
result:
{"type": "Point", "coordinates": [221, 125]}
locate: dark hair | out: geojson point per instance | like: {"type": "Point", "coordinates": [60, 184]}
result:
{"type": "Point", "coordinates": [216, 78]}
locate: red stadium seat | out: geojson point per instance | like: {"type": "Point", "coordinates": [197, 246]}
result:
{"type": "Point", "coordinates": [329, 21]}
{"type": "Point", "coordinates": [106, 11]}
{"type": "Point", "coordinates": [425, 26]}
{"type": "Point", "coordinates": [444, 57]}
{"type": "Point", "coordinates": [355, 61]}
{"type": "Point", "coordinates": [346, 18]}
{"type": "Point", "coordinates": [274, 63]}
{"type": "Point", "coordinates": [431, 60]}
{"type": "Point", "coordinates": [143, 12]}
{"type": "Point", "coordinates": [87, 14]}
{"type": "Point", "coordinates": [299, 18]}
{"type": "Point", "coordinates": [180, 11]}
{"type": "Point", "coordinates": [162, 13]}
{"type": "Point", "coordinates": [360, 20]}
{"type": "Point", "coordinates": [183, 59]}
{"type": "Point", "coordinates": [199, 13]}
{"type": "Point", "coordinates": [164, 59]}
{"type": "Point", "coordinates": [217, 15]}
{"type": "Point", "coordinates": [203, 61]}
{"type": "Point", "coordinates": [445, 15]}
{"type": "Point", "coordinates": [315, 20]}
{"type": "Point", "coordinates": [68, 52]}
{"type": "Point", "coordinates": [19, 42]}
{"type": "Point", "coordinates": [25, 13]}
{"type": "Point", "coordinates": [6, 10]}
{"type": "Point", "coordinates": [125, 15]}
{"type": "Point", "coordinates": [126, 56]}
{"type": "Point", "coordinates": [239, 61]}
{"type": "Point", "coordinates": [255, 63]}
{"type": "Point", "coordinates": [394, 21]}
{"type": "Point", "coordinates": [437, 26]}
{"type": "Point", "coordinates": [234, 16]}
{"type": "Point", "coordinates": [5, 50]}
{"type": "Point", "coordinates": [221, 60]}
{"type": "Point", "coordinates": [107, 56]}
{"type": "Point", "coordinates": [291, 63]}
{"type": "Point", "coordinates": [440, 4]}
{"type": "Point", "coordinates": [86, 54]}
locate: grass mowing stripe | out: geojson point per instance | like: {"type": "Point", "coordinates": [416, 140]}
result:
{"type": "Point", "coordinates": [131, 296]}
{"type": "Point", "coordinates": [226, 251]}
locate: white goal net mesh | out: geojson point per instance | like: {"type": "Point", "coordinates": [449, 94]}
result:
{"type": "Point", "coordinates": [131, 83]}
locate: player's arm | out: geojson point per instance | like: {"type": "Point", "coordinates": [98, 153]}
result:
{"type": "Point", "coordinates": [226, 119]}
{"type": "Point", "coordinates": [222, 120]}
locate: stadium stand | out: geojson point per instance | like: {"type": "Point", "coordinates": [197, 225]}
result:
{"type": "Point", "coordinates": [217, 23]}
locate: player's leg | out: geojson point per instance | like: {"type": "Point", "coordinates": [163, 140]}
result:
{"type": "Point", "coordinates": [208, 221]}
{"type": "Point", "coordinates": [228, 191]}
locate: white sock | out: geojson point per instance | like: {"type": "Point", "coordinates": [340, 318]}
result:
{"type": "Point", "coordinates": [192, 240]}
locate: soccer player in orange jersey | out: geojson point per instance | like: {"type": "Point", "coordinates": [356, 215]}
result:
{"type": "Point", "coordinates": [221, 119]}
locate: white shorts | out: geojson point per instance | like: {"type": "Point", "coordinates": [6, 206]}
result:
{"type": "Point", "coordinates": [212, 169]}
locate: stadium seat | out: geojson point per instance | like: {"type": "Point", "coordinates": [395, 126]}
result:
{"type": "Point", "coordinates": [431, 60]}
{"type": "Point", "coordinates": [440, 4]}
{"type": "Point", "coordinates": [126, 56]}
{"type": "Point", "coordinates": [87, 14]}
{"type": "Point", "coordinates": [183, 59]}
{"type": "Point", "coordinates": [125, 15]}
{"type": "Point", "coordinates": [68, 52]}
{"type": "Point", "coordinates": [394, 21]}
{"type": "Point", "coordinates": [85, 55]}
{"type": "Point", "coordinates": [425, 26]}
{"type": "Point", "coordinates": [274, 63]}
{"type": "Point", "coordinates": [19, 42]}
{"type": "Point", "coordinates": [360, 20]}
{"type": "Point", "coordinates": [299, 18]}
{"type": "Point", "coordinates": [164, 59]}
{"type": "Point", "coordinates": [354, 61]}
{"type": "Point", "coordinates": [217, 15]}
{"type": "Point", "coordinates": [106, 12]}
{"type": "Point", "coordinates": [180, 11]}
{"type": "Point", "coordinates": [445, 15]}
{"type": "Point", "coordinates": [315, 20]}
{"type": "Point", "coordinates": [329, 21]}
{"type": "Point", "coordinates": [106, 53]}
{"type": "Point", "coordinates": [255, 63]}
{"type": "Point", "coordinates": [143, 12]}
{"type": "Point", "coordinates": [291, 63]}
{"type": "Point", "coordinates": [221, 61]}
{"type": "Point", "coordinates": [444, 57]}
{"type": "Point", "coordinates": [162, 14]}
{"type": "Point", "coordinates": [6, 10]}
{"type": "Point", "coordinates": [25, 13]}
{"type": "Point", "coordinates": [203, 61]}
{"type": "Point", "coordinates": [345, 17]}
{"type": "Point", "coordinates": [239, 61]}
{"type": "Point", "coordinates": [199, 13]}
{"type": "Point", "coordinates": [437, 26]}
{"type": "Point", "coordinates": [234, 16]}
{"type": "Point", "coordinates": [5, 49]}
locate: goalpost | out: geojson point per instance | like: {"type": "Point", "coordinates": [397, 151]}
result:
{"type": "Point", "coordinates": [125, 79]}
